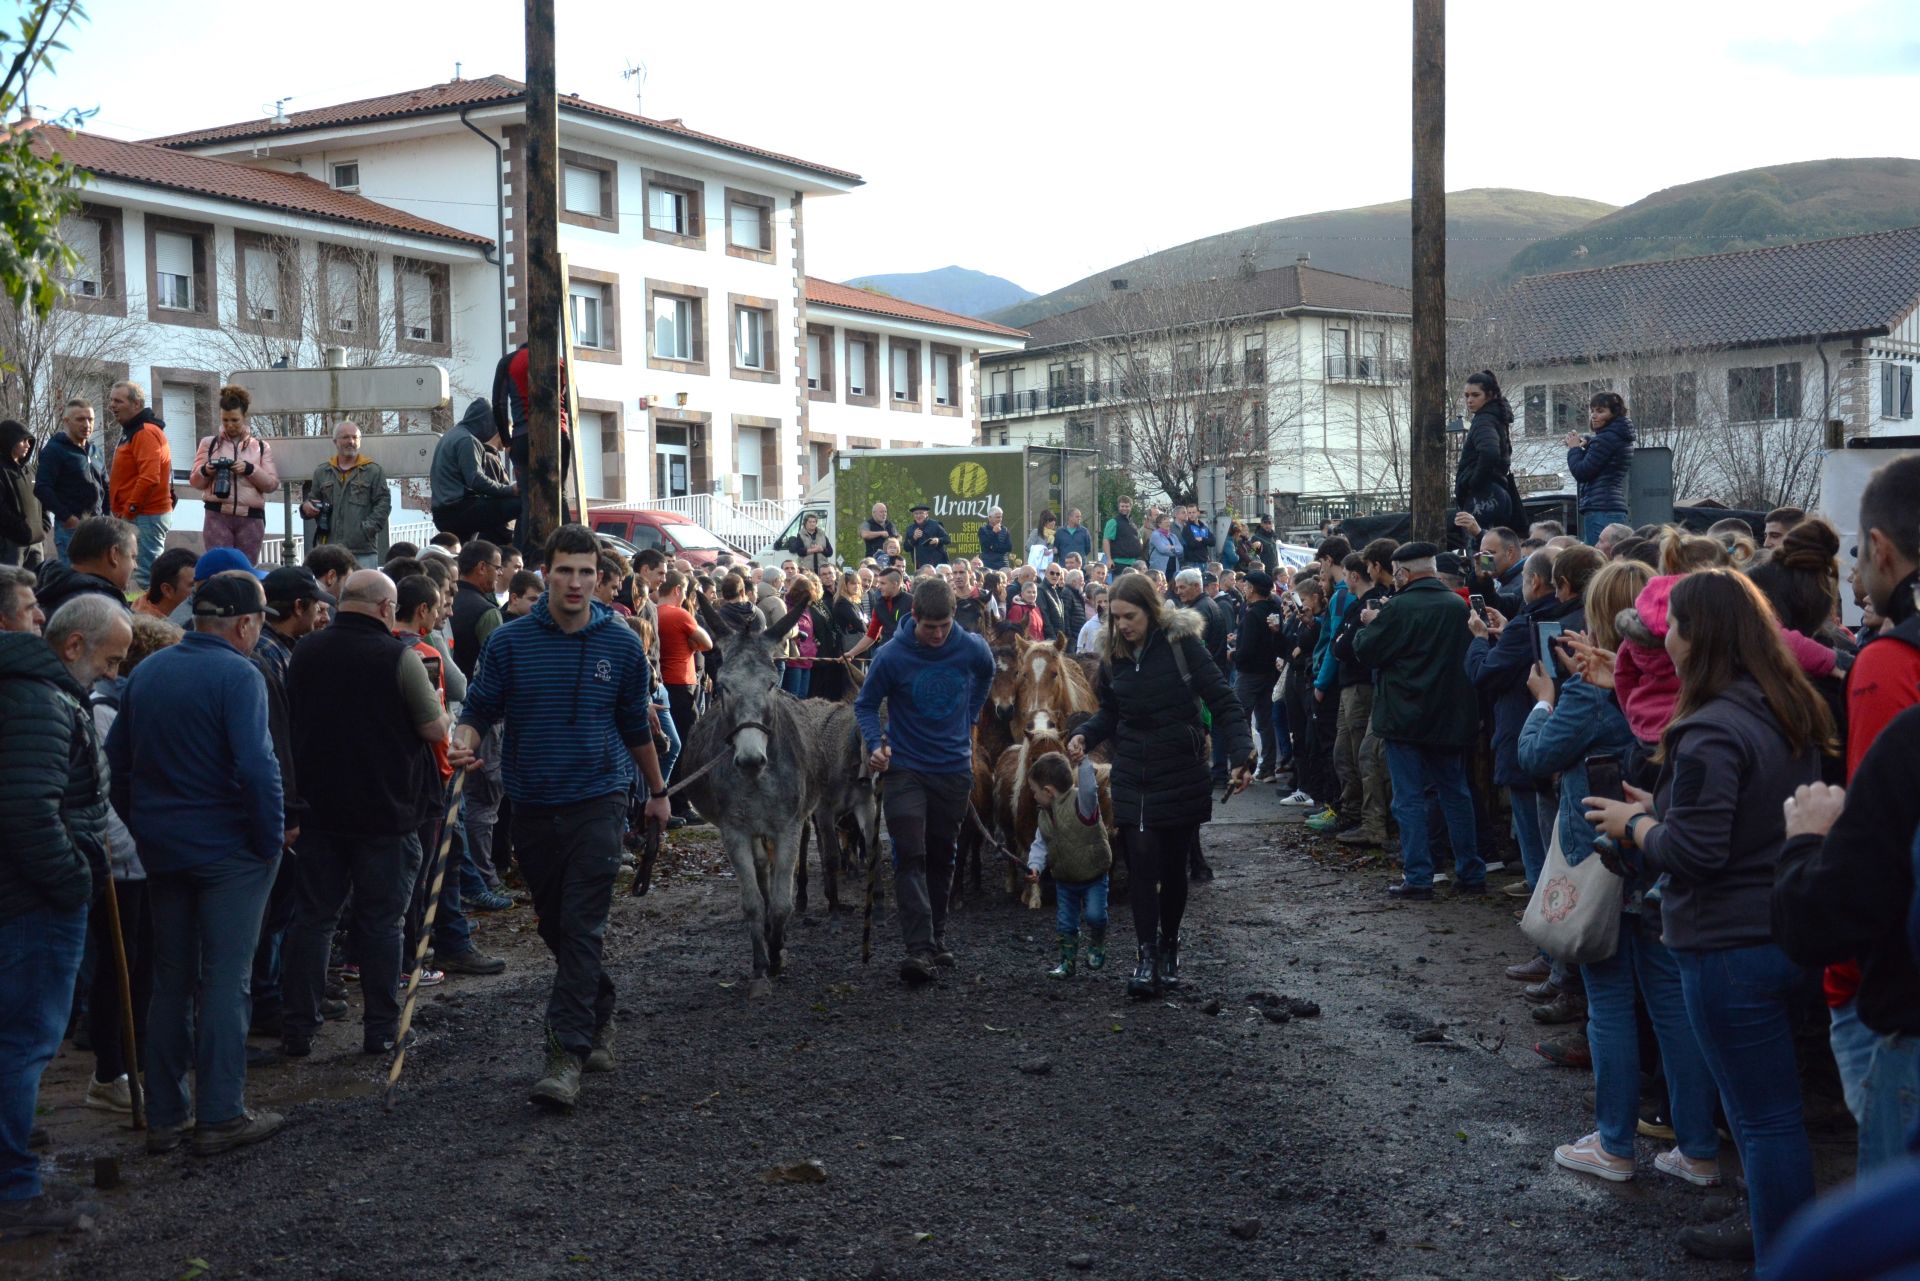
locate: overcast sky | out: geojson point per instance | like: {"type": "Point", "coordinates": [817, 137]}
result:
{"type": "Point", "coordinates": [1043, 141]}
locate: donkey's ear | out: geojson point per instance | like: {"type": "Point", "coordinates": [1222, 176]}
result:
{"type": "Point", "coordinates": [710, 617]}
{"type": "Point", "coordinates": [788, 622]}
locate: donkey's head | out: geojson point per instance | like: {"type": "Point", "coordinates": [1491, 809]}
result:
{"type": "Point", "coordinates": [748, 684]}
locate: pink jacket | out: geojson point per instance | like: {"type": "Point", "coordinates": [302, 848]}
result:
{"type": "Point", "coordinates": [253, 480]}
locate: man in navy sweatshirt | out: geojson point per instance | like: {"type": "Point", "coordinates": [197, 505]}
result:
{"type": "Point", "coordinates": [570, 684]}
{"type": "Point", "coordinates": [933, 678]}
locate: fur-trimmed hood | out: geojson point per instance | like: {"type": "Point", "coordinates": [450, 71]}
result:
{"type": "Point", "coordinates": [1645, 624]}
{"type": "Point", "coordinates": [1181, 621]}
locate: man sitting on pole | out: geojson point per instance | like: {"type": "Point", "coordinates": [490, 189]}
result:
{"type": "Point", "coordinates": [472, 496]}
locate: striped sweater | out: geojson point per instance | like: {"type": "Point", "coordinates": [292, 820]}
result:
{"type": "Point", "coordinates": [572, 705]}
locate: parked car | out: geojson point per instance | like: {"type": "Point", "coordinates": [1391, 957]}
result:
{"type": "Point", "coordinates": [672, 533]}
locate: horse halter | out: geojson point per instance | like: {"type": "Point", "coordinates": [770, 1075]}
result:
{"type": "Point", "coordinates": [764, 729]}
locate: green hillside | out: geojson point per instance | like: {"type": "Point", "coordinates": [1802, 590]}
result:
{"type": "Point", "coordinates": [1812, 200]}
{"type": "Point", "coordinates": [1484, 228]}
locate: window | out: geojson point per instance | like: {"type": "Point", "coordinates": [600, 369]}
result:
{"type": "Point", "coordinates": [1256, 359]}
{"type": "Point", "coordinates": [1373, 355]}
{"type": "Point", "coordinates": [946, 377]}
{"type": "Point", "coordinates": [749, 446]}
{"type": "Point", "coordinates": [744, 227]}
{"type": "Point", "coordinates": [589, 302]}
{"type": "Point", "coordinates": [1763, 393]}
{"type": "Point", "coordinates": [1339, 353]}
{"type": "Point", "coordinates": [264, 302]}
{"type": "Point", "coordinates": [673, 328]}
{"type": "Point", "coordinates": [173, 274]}
{"type": "Point", "coordinates": [819, 363]}
{"type": "Point", "coordinates": [816, 361]}
{"type": "Point", "coordinates": [1066, 384]}
{"type": "Point", "coordinates": [859, 367]}
{"type": "Point", "coordinates": [675, 209]}
{"type": "Point", "coordinates": [422, 305]}
{"type": "Point", "coordinates": [1187, 373]}
{"type": "Point", "coordinates": [97, 283]}
{"type": "Point", "coordinates": [676, 317]}
{"type": "Point", "coordinates": [580, 191]}
{"type": "Point", "coordinates": [903, 364]}
{"type": "Point", "coordinates": [350, 288]}
{"type": "Point", "coordinates": [1896, 390]}
{"type": "Point", "coordinates": [346, 175]}
{"type": "Point", "coordinates": [755, 341]}
{"type": "Point", "coordinates": [1533, 412]}
{"type": "Point", "coordinates": [596, 429]}
{"type": "Point", "coordinates": [179, 409]}
{"type": "Point", "coordinates": [86, 237]}
{"type": "Point", "coordinates": [267, 291]}
{"type": "Point", "coordinates": [1663, 401]}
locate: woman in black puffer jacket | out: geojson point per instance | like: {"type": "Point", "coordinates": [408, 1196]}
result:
{"type": "Point", "coordinates": [1162, 789]}
{"type": "Point", "coordinates": [1480, 483]}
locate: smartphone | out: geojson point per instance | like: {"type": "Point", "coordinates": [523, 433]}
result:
{"type": "Point", "coordinates": [1478, 604]}
{"type": "Point", "coordinates": [1603, 777]}
{"type": "Point", "coordinates": [1485, 561]}
{"type": "Point", "coordinates": [1547, 632]}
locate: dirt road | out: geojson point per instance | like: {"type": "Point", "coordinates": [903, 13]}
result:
{"type": "Point", "coordinates": [998, 1124]}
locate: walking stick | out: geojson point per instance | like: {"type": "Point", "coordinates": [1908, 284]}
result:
{"type": "Point", "coordinates": [128, 1050]}
{"type": "Point", "coordinates": [426, 935]}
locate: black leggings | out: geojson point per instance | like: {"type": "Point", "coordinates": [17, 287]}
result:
{"type": "Point", "coordinates": [1157, 878]}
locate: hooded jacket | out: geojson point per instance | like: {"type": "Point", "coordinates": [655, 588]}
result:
{"type": "Point", "coordinates": [53, 784]}
{"type": "Point", "coordinates": [1601, 465]}
{"type": "Point", "coordinates": [142, 483]}
{"type": "Point", "coordinates": [21, 521]}
{"type": "Point", "coordinates": [361, 503]}
{"type": "Point", "coordinates": [1418, 644]}
{"type": "Point", "coordinates": [254, 476]}
{"type": "Point", "coordinates": [463, 466]}
{"type": "Point", "coordinates": [934, 695]}
{"type": "Point", "coordinates": [1162, 775]}
{"type": "Point", "coordinates": [69, 482]}
{"type": "Point", "coordinates": [1485, 459]}
{"type": "Point", "coordinates": [61, 582]}
{"type": "Point", "coordinates": [572, 704]}
{"type": "Point", "coordinates": [1499, 670]}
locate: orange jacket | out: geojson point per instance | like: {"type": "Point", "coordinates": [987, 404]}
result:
{"type": "Point", "coordinates": [142, 480]}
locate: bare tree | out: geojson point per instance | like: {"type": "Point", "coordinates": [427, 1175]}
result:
{"type": "Point", "coordinates": [64, 352]}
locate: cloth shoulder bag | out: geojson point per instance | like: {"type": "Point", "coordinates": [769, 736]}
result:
{"type": "Point", "coordinates": [1574, 914]}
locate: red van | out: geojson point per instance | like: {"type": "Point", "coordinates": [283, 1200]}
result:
{"type": "Point", "coordinates": [671, 532]}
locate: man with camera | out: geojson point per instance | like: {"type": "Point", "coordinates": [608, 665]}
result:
{"type": "Point", "coordinates": [347, 500]}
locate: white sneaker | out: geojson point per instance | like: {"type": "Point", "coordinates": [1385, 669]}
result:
{"type": "Point", "coordinates": [1298, 798]}
{"type": "Point", "coordinates": [1704, 1173]}
{"type": "Point", "coordinates": [110, 1096]}
{"type": "Point", "coordinates": [1588, 1157]}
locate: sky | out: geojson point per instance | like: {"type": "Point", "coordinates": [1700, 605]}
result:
{"type": "Point", "coordinates": [1044, 140]}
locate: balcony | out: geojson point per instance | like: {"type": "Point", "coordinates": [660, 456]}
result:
{"type": "Point", "coordinates": [1111, 391]}
{"type": "Point", "coordinates": [1377, 370]}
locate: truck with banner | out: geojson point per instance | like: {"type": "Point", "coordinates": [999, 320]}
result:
{"type": "Point", "coordinates": [959, 485]}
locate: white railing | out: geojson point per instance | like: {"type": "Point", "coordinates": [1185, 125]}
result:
{"type": "Point", "coordinates": [750, 526]}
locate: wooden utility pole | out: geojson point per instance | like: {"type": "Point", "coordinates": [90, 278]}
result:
{"type": "Point", "coordinates": [540, 265]}
{"type": "Point", "coordinates": [1429, 461]}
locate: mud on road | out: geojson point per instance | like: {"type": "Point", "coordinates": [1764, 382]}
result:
{"type": "Point", "coordinates": [996, 1124]}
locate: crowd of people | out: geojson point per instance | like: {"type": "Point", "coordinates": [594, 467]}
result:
{"type": "Point", "coordinates": [181, 782]}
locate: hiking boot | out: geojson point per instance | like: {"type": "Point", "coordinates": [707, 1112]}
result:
{"type": "Point", "coordinates": [1729, 1240]}
{"type": "Point", "coordinates": [1654, 1123]}
{"type": "Point", "coordinates": [1362, 836]}
{"type": "Point", "coordinates": [917, 969]}
{"type": "Point", "coordinates": [1405, 892]}
{"type": "Point", "coordinates": [49, 1212]}
{"type": "Point", "coordinates": [296, 1045]}
{"type": "Point", "coordinates": [1545, 990]}
{"type": "Point", "coordinates": [1069, 948]}
{"type": "Point", "coordinates": [1096, 949]}
{"type": "Point", "coordinates": [1588, 1157]}
{"type": "Point", "coordinates": [558, 1089]}
{"type": "Point", "coordinates": [1169, 963]}
{"type": "Point", "coordinates": [1325, 821]}
{"type": "Point", "coordinates": [1198, 870]}
{"type": "Point", "coordinates": [1297, 797]}
{"type": "Point", "coordinates": [1533, 971]}
{"type": "Point", "coordinates": [1702, 1173]}
{"type": "Point", "coordinates": [1568, 1051]}
{"type": "Point", "coordinates": [248, 1127]}
{"type": "Point", "coordinates": [471, 961]}
{"type": "Point", "coordinates": [333, 1011]}
{"type": "Point", "coordinates": [162, 1139]}
{"type": "Point", "coordinates": [1145, 983]}
{"type": "Point", "coordinates": [335, 991]}
{"type": "Point", "coordinates": [1564, 1008]}
{"type": "Point", "coordinates": [600, 1057]}
{"type": "Point", "coordinates": [942, 957]}
{"type": "Point", "coordinates": [110, 1096]}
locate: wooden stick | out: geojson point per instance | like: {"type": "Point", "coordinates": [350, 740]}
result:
{"type": "Point", "coordinates": [426, 935]}
{"type": "Point", "coordinates": [128, 1050]}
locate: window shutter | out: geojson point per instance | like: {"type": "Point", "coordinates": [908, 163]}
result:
{"type": "Point", "coordinates": [695, 322]}
{"type": "Point", "coordinates": [1906, 391]}
{"type": "Point", "coordinates": [180, 410]}
{"type": "Point", "coordinates": [582, 191]}
{"type": "Point", "coordinates": [173, 253]}
{"type": "Point", "coordinates": [943, 380]}
{"type": "Point", "coordinates": [813, 361]}
{"type": "Point", "coordinates": [1888, 402]}
{"type": "Point", "coordinates": [857, 366]}
{"type": "Point", "coordinates": [744, 226]}
{"type": "Point", "coordinates": [901, 373]}
{"type": "Point", "coordinates": [343, 295]}
{"type": "Point", "coordinates": [84, 235]}
{"type": "Point", "coordinates": [593, 465]}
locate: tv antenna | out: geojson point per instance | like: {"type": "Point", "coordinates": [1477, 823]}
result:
{"type": "Point", "coordinates": [638, 74]}
{"type": "Point", "coordinates": [280, 110]}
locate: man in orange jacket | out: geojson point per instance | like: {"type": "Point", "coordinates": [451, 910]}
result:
{"type": "Point", "coordinates": [141, 486]}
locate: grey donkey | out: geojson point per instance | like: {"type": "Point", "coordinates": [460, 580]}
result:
{"type": "Point", "coordinates": [846, 814]}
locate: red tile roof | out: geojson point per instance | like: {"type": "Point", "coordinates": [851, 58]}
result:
{"type": "Point", "coordinates": [452, 96]}
{"type": "Point", "coordinates": [224, 180]}
{"type": "Point", "coordinates": [826, 293]}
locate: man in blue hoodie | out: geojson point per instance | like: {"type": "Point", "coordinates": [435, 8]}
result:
{"type": "Point", "coordinates": [933, 678]}
{"type": "Point", "coordinates": [570, 684]}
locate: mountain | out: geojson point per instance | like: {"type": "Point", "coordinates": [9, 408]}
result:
{"type": "Point", "coordinates": [1812, 200]}
{"type": "Point", "coordinates": [971, 293]}
{"type": "Point", "coordinates": [1484, 227]}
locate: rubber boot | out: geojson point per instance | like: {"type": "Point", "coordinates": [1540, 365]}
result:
{"type": "Point", "coordinates": [1096, 949]}
{"type": "Point", "coordinates": [559, 1088]}
{"type": "Point", "coordinates": [1069, 948]}
{"type": "Point", "coordinates": [1145, 983]}
{"type": "Point", "coordinates": [1169, 962]}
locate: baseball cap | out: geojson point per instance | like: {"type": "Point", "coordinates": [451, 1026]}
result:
{"type": "Point", "coordinates": [293, 583]}
{"type": "Point", "coordinates": [222, 559]}
{"type": "Point", "coordinates": [228, 598]}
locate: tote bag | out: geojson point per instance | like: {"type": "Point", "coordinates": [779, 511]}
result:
{"type": "Point", "coordinates": [1574, 913]}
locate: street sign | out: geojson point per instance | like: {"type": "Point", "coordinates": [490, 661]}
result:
{"type": "Point", "coordinates": [342, 390]}
{"type": "Point", "coordinates": [400, 454]}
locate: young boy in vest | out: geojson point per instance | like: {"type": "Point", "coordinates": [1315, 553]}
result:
{"type": "Point", "coordinates": [1070, 842]}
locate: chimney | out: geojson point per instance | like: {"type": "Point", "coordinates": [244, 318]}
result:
{"type": "Point", "coordinates": [1249, 264]}
{"type": "Point", "coordinates": [1118, 284]}
{"type": "Point", "coordinates": [1303, 259]}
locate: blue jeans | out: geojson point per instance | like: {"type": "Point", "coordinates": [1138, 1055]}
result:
{"type": "Point", "coordinates": [797, 680]}
{"type": "Point", "coordinates": [1881, 1078]}
{"type": "Point", "coordinates": [1255, 691]}
{"type": "Point", "coordinates": [152, 536]}
{"type": "Point", "coordinates": [1644, 965]}
{"type": "Point", "coordinates": [1591, 523]}
{"type": "Point", "coordinates": [1739, 1002]}
{"type": "Point", "coordinates": [669, 730]}
{"type": "Point", "coordinates": [1530, 828]}
{"type": "Point", "coordinates": [39, 959]}
{"type": "Point", "coordinates": [1072, 903]}
{"type": "Point", "coordinates": [61, 537]}
{"type": "Point", "coordinates": [206, 924]}
{"type": "Point", "coordinates": [1413, 769]}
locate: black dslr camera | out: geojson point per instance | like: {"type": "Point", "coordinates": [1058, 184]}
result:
{"type": "Point", "coordinates": [222, 478]}
{"type": "Point", "coordinates": [322, 517]}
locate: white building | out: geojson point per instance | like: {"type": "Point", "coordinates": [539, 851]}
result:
{"type": "Point", "coordinates": [882, 373]}
{"type": "Point", "coordinates": [1738, 362]}
{"type": "Point", "coordinates": [685, 252]}
{"type": "Point", "coordinates": [1303, 371]}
